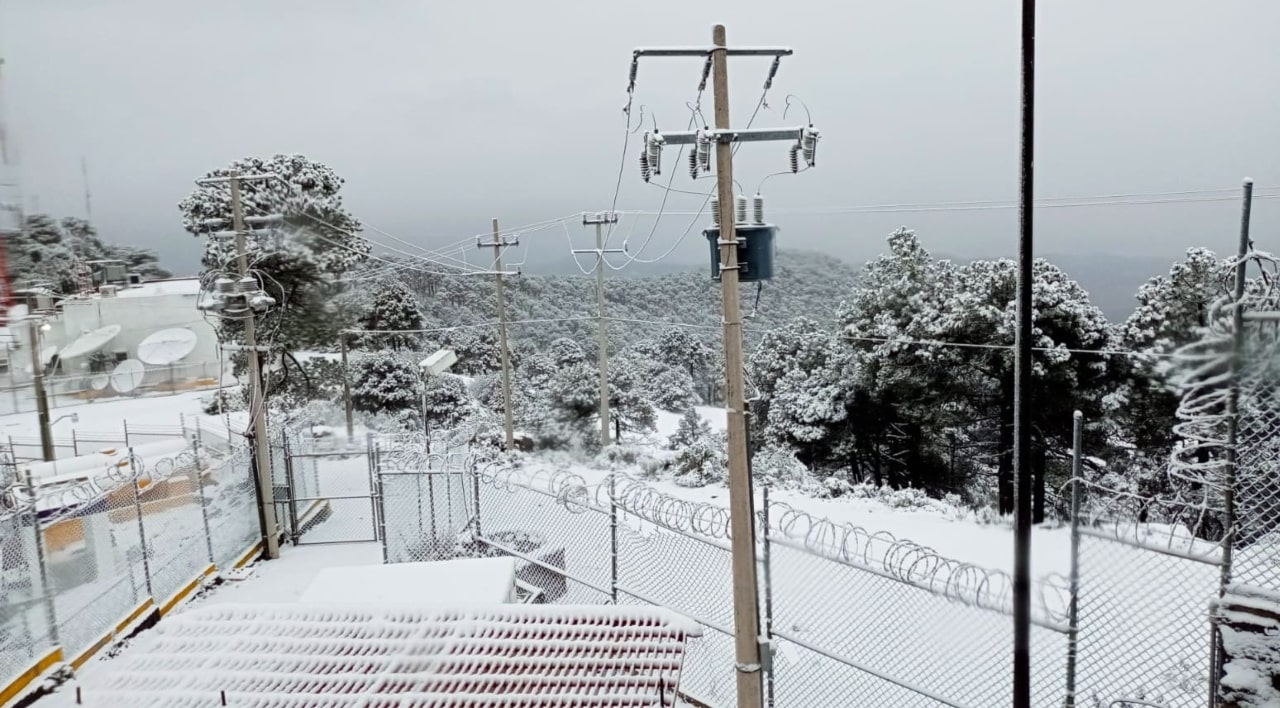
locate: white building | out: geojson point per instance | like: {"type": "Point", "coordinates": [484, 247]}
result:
{"type": "Point", "coordinates": [139, 310]}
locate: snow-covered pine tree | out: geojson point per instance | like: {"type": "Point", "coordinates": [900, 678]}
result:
{"type": "Point", "coordinates": [386, 382]}
{"type": "Point", "coordinates": [446, 401]}
{"type": "Point", "coordinates": [318, 240]}
{"type": "Point", "coordinates": [689, 430]}
{"type": "Point", "coordinates": [393, 310]}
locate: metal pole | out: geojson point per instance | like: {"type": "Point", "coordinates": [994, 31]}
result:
{"type": "Point", "coordinates": [204, 502]}
{"type": "Point", "coordinates": [613, 537]}
{"type": "Point", "coordinates": [142, 531]}
{"type": "Point", "coordinates": [1233, 392]}
{"type": "Point", "coordinates": [508, 425]}
{"type": "Point", "coordinates": [1233, 422]}
{"type": "Point", "coordinates": [746, 608]}
{"type": "Point", "coordinates": [42, 400]}
{"type": "Point", "coordinates": [375, 470]}
{"type": "Point", "coordinates": [1073, 613]}
{"type": "Point", "coordinates": [346, 386]}
{"type": "Point", "coordinates": [257, 406]}
{"type": "Point", "coordinates": [51, 615]}
{"type": "Point", "coordinates": [603, 355]}
{"type": "Point", "coordinates": [768, 591]}
{"type": "Point", "coordinates": [1022, 376]}
{"type": "Point", "coordinates": [294, 532]}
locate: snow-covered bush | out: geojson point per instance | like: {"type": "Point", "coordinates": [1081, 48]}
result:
{"type": "Point", "coordinates": [385, 382]}
{"type": "Point", "coordinates": [777, 465]}
{"type": "Point", "coordinates": [224, 400]}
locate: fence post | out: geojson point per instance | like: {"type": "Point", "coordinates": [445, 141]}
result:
{"type": "Point", "coordinates": [142, 530]}
{"type": "Point", "coordinates": [768, 592]}
{"type": "Point", "coordinates": [613, 539]}
{"type": "Point", "coordinates": [75, 445]}
{"type": "Point", "coordinates": [199, 481]}
{"type": "Point", "coordinates": [51, 615]}
{"type": "Point", "coordinates": [475, 493]}
{"type": "Point", "coordinates": [1073, 610]}
{"type": "Point", "coordinates": [294, 531]}
{"type": "Point", "coordinates": [125, 423]}
{"type": "Point", "coordinates": [375, 468]}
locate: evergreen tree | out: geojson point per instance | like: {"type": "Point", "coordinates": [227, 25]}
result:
{"type": "Point", "coordinates": [385, 382]}
{"type": "Point", "coordinates": [690, 429]}
{"type": "Point", "coordinates": [446, 401]}
{"type": "Point", "coordinates": [297, 261]}
{"type": "Point", "coordinates": [394, 308]}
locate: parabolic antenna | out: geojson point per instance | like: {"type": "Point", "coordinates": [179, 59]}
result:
{"type": "Point", "coordinates": [166, 346]}
{"type": "Point", "coordinates": [99, 382]}
{"type": "Point", "coordinates": [90, 342]}
{"type": "Point", "coordinates": [127, 375]}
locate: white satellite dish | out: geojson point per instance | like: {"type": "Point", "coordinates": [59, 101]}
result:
{"type": "Point", "coordinates": [167, 346]}
{"type": "Point", "coordinates": [99, 382]}
{"type": "Point", "coordinates": [127, 375]}
{"type": "Point", "coordinates": [90, 342]}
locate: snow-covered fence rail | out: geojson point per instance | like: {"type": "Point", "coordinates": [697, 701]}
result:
{"type": "Point", "coordinates": [94, 547]}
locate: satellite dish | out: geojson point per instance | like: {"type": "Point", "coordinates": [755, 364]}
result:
{"type": "Point", "coordinates": [99, 382]}
{"type": "Point", "coordinates": [127, 375]}
{"type": "Point", "coordinates": [166, 346]}
{"type": "Point", "coordinates": [46, 354]}
{"type": "Point", "coordinates": [90, 342]}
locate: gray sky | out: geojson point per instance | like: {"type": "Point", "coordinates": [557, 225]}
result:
{"type": "Point", "coordinates": [442, 115]}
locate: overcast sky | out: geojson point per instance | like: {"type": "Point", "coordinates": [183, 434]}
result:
{"type": "Point", "coordinates": [442, 115]}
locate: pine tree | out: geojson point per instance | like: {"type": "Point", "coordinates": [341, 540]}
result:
{"type": "Point", "coordinates": [394, 308]}
{"type": "Point", "coordinates": [690, 429]}
{"type": "Point", "coordinates": [385, 382]}
{"type": "Point", "coordinates": [296, 261]}
{"type": "Point", "coordinates": [446, 402]}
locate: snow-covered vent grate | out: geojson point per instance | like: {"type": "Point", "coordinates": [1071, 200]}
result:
{"type": "Point", "coordinates": [269, 656]}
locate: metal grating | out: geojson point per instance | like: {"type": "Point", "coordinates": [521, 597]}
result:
{"type": "Point", "coordinates": [317, 656]}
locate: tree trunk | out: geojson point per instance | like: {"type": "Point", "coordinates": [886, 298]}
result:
{"type": "Point", "coordinates": [1004, 474]}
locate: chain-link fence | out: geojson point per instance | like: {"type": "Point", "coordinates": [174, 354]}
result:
{"type": "Point", "coordinates": [18, 395]}
{"type": "Point", "coordinates": [94, 547]}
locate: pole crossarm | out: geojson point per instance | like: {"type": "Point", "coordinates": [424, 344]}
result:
{"type": "Point", "coordinates": [743, 135]}
{"type": "Point", "coordinates": [706, 51]}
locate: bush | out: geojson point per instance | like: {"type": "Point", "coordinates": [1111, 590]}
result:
{"type": "Point", "coordinates": [224, 400]}
{"type": "Point", "coordinates": [385, 382]}
{"type": "Point", "coordinates": [703, 462]}
{"type": "Point", "coordinates": [778, 466]}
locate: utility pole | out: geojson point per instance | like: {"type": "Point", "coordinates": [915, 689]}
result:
{"type": "Point", "coordinates": [598, 220]}
{"type": "Point", "coordinates": [746, 604]}
{"type": "Point", "coordinates": [1022, 374]}
{"type": "Point", "coordinates": [42, 400]}
{"type": "Point", "coordinates": [257, 406]}
{"type": "Point", "coordinates": [346, 385]}
{"type": "Point", "coordinates": [498, 244]}
{"type": "Point", "coordinates": [749, 664]}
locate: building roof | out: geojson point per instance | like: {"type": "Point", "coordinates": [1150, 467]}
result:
{"type": "Point", "coordinates": [332, 656]}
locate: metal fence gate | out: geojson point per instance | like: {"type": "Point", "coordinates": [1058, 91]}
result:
{"type": "Point", "coordinates": [324, 494]}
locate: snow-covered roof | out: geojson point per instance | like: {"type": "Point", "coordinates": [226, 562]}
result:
{"type": "Point", "coordinates": [463, 581]}
{"type": "Point", "coordinates": [335, 656]}
{"type": "Point", "coordinates": [154, 288]}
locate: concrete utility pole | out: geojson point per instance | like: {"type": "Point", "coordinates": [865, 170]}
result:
{"type": "Point", "coordinates": [598, 220]}
{"type": "Point", "coordinates": [498, 244]}
{"type": "Point", "coordinates": [346, 385]}
{"type": "Point", "coordinates": [257, 407]}
{"type": "Point", "coordinates": [750, 664]}
{"type": "Point", "coordinates": [746, 602]}
{"type": "Point", "coordinates": [42, 399]}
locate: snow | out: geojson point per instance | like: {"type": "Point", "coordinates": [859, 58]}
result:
{"type": "Point", "coordinates": [340, 655]}
{"type": "Point", "coordinates": [156, 288]}
{"type": "Point", "coordinates": [469, 581]}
